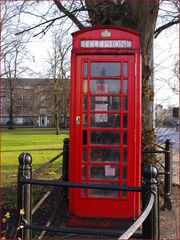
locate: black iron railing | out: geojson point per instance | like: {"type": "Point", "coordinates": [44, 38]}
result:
{"type": "Point", "coordinates": [24, 168]}
{"type": "Point", "coordinates": [150, 202]}
{"type": "Point", "coordinates": [47, 194]}
{"type": "Point", "coordinates": [167, 153]}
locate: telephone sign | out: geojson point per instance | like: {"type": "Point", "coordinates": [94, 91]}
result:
{"type": "Point", "coordinates": [105, 44]}
{"type": "Point", "coordinates": [105, 116]}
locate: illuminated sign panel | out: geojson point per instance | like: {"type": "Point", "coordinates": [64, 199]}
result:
{"type": "Point", "coordinates": [106, 43]}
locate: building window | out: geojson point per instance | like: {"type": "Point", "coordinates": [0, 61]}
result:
{"type": "Point", "coordinates": [27, 87]}
{"type": "Point", "coordinates": [23, 98]}
{"type": "Point", "coordinates": [4, 99]}
{"type": "Point", "coordinates": [18, 120]}
{"type": "Point", "coordinates": [4, 109]}
{"type": "Point", "coordinates": [43, 110]}
{"type": "Point", "coordinates": [43, 97]}
{"type": "Point", "coordinates": [4, 120]}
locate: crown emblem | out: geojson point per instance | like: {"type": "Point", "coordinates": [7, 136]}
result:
{"type": "Point", "coordinates": [105, 33]}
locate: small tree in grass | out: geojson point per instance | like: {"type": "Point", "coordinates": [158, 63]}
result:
{"type": "Point", "coordinates": [59, 75]}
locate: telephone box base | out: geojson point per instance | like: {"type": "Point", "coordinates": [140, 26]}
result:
{"type": "Point", "coordinates": [122, 224]}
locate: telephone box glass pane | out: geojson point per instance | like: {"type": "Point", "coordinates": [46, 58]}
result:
{"type": "Point", "coordinates": [104, 155]}
{"type": "Point", "coordinates": [105, 86]}
{"type": "Point", "coordinates": [124, 159]}
{"type": "Point", "coordinates": [104, 103]}
{"type": "Point", "coordinates": [84, 120]}
{"type": "Point", "coordinates": [125, 86]}
{"type": "Point", "coordinates": [103, 120]}
{"type": "Point", "coordinates": [124, 172]}
{"type": "Point", "coordinates": [125, 121]}
{"type": "Point", "coordinates": [123, 192]}
{"type": "Point", "coordinates": [84, 137]}
{"type": "Point", "coordinates": [105, 172]}
{"type": "Point", "coordinates": [103, 193]}
{"type": "Point", "coordinates": [105, 69]}
{"type": "Point", "coordinates": [84, 155]}
{"type": "Point", "coordinates": [104, 137]}
{"type": "Point", "coordinates": [85, 103]}
{"type": "Point", "coordinates": [124, 138]}
{"type": "Point", "coordinates": [125, 103]}
{"type": "Point", "coordinates": [84, 170]}
{"type": "Point", "coordinates": [85, 86]}
{"type": "Point", "coordinates": [125, 69]}
{"type": "Point", "coordinates": [85, 69]}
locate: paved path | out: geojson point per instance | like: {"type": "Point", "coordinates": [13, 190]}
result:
{"type": "Point", "coordinates": [171, 133]}
{"type": "Point", "coordinates": [168, 133]}
{"type": "Point", "coordinates": [175, 169]}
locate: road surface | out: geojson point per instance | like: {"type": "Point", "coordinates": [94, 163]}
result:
{"type": "Point", "coordinates": [173, 135]}
{"type": "Point", "coordinates": [168, 133]}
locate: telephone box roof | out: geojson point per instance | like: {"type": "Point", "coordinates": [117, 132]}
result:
{"type": "Point", "coordinates": [128, 30]}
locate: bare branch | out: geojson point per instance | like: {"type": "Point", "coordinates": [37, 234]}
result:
{"type": "Point", "coordinates": [165, 26]}
{"type": "Point", "coordinates": [69, 14]}
{"type": "Point", "coordinates": [51, 22]}
{"type": "Point", "coordinates": [44, 31]}
{"type": "Point", "coordinates": [38, 25]}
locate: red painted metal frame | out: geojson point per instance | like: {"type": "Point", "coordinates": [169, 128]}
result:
{"type": "Point", "coordinates": [88, 206]}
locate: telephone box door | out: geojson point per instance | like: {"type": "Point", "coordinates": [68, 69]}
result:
{"type": "Point", "coordinates": [102, 136]}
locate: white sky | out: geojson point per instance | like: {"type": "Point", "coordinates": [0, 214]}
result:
{"type": "Point", "coordinates": [166, 53]}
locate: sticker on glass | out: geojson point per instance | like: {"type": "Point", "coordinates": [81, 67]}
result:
{"type": "Point", "coordinates": [109, 171]}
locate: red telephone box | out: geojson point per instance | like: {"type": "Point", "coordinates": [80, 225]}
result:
{"type": "Point", "coordinates": [105, 121]}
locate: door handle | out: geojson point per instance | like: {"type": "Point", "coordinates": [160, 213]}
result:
{"type": "Point", "coordinates": [78, 120]}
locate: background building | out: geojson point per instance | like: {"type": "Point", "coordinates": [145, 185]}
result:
{"type": "Point", "coordinates": [165, 117]}
{"type": "Point", "coordinates": [32, 102]}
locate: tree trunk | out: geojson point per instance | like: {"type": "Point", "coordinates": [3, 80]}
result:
{"type": "Point", "coordinates": [65, 120]}
{"type": "Point", "coordinates": [57, 124]}
{"type": "Point", "coordinates": [11, 108]}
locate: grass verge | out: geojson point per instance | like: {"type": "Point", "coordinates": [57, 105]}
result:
{"type": "Point", "coordinates": [36, 141]}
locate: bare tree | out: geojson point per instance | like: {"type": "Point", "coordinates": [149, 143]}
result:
{"type": "Point", "coordinates": [13, 55]}
{"type": "Point", "coordinates": [59, 75]}
{"type": "Point", "coordinates": [13, 68]}
{"type": "Point", "coordinates": [174, 81]}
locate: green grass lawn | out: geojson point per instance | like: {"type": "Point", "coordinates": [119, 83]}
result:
{"type": "Point", "coordinates": [33, 141]}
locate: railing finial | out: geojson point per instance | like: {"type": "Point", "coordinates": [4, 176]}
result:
{"type": "Point", "coordinates": [24, 193]}
{"type": "Point", "coordinates": [150, 185]}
